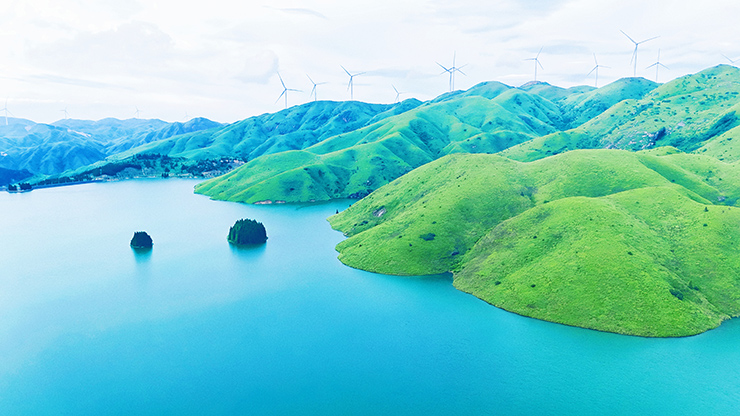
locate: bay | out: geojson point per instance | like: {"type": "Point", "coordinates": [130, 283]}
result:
{"type": "Point", "coordinates": [196, 326]}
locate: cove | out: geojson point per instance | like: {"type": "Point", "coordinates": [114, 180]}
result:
{"type": "Point", "coordinates": [197, 326]}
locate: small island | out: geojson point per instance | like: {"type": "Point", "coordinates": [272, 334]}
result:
{"type": "Point", "coordinates": [247, 232]}
{"type": "Point", "coordinates": [141, 240]}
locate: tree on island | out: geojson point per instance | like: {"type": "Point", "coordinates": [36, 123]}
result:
{"type": "Point", "coordinates": [141, 240]}
{"type": "Point", "coordinates": [12, 187]}
{"type": "Point", "coordinates": [246, 231]}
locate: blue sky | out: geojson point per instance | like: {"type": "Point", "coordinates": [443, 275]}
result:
{"type": "Point", "coordinates": [219, 59]}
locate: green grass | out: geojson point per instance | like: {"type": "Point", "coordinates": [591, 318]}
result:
{"type": "Point", "coordinates": [488, 118]}
{"type": "Point", "coordinates": [603, 235]}
{"type": "Point", "coordinates": [686, 113]}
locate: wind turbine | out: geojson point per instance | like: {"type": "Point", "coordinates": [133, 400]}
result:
{"type": "Point", "coordinates": [634, 54]}
{"type": "Point", "coordinates": [596, 69]}
{"type": "Point", "coordinates": [136, 114]}
{"type": "Point", "coordinates": [66, 114]}
{"type": "Point", "coordinates": [398, 94]}
{"type": "Point", "coordinates": [313, 90]}
{"type": "Point", "coordinates": [657, 66]}
{"type": "Point", "coordinates": [285, 91]}
{"type": "Point", "coordinates": [7, 112]}
{"type": "Point", "coordinates": [351, 84]}
{"type": "Point", "coordinates": [451, 70]}
{"type": "Point", "coordinates": [536, 60]}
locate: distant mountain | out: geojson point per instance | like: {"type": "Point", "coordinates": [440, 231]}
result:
{"type": "Point", "coordinates": [639, 243]}
{"type": "Point", "coordinates": [49, 149]}
{"type": "Point", "coordinates": [487, 118]}
{"type": "Point", "coordinates": [8, 176]}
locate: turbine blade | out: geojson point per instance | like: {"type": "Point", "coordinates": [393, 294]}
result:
{"type": "Point", "coordinates": [309, 78]}
{"type": "Point", "coordinates": [345, 70]}
{"type": "Point", "coordinates": [281, 80]}
{"type": "Point", "coordinates": [591, 71]}
{"type": "Point", "coordinates": [663, 65]}
{"type": "Point", "coordinates": [628, 37]}
{"type": "Point", "coordinates": [731, 61]}
{"type": "Point", "coordinates": [597, 62]}
{"type": "Point", "coordinates": [538, 62]}
{"type": "Point", "coordinates": [394, 89]}
{"type": "Point", "coordinates": [648, 67]}
{"type": "Point", "coordinates": [290, 89]}
{"type": "Point", "coordinates": [458, 70]}
{"type": "Point", "coordinates": [443, 67]}
{"type": "Point", "coordinates": [648, 40]}
{"type": "Point", "coordinates": [281, 96]}
{"type": "Point", "coordinates": [538, 53]}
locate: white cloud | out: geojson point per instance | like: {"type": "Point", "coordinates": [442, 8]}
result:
{"type": "Point", "coordinates": [259, 68]}
{"type": "Point", "coordinates": [218, 59]}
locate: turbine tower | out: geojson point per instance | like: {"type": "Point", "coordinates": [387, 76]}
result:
{"type": "Point", "coordinates": [313, 90]}
{"type": "Point", "coordinates": [596, 70]}
{"type": "Point", "coordinates": [451, 70]}
{"type": "Point", "coordinates": [657, 66]}
{"type": "Point", "coordinates": [351, 84]}
{"type": "Point", "coordinates": [536, 60]}
{"type": "Point", "coordinates": [634, 53]}
{"type": "Point", "coordinates": [285, 91]}
{"type": "Point", "coordinates": [7, 112]}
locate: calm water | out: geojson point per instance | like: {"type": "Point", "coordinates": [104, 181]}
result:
{"type": "Point", "coordinates": [198, 327]}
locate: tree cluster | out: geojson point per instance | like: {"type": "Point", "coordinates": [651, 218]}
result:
{"type": "Point", "coordinates": [141, 240]}
{"type": "Point", "coordinates": [247, 231]}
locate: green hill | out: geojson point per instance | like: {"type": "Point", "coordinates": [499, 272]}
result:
{"type": "Point", "coordinates": [686, 113]}
{"type": "Point", "coordinates": [637, 243]}
{"type": "Point", "coordinates": [487, 118]}
{"type": "Point", "coordinates": [294, 128]}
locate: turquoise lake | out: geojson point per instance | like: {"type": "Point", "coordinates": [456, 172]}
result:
{"type": "Point", "coordinates": [196, 326]}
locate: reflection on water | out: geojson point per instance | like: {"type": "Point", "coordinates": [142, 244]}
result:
{"type": "Point", "coordinates": [142, 255]}
{"type": "Point", "coordinates": [248, 251]}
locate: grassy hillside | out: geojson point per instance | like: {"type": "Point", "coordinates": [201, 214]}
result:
{"type": "Point", "coordinates": [487, 118]}
{"type": "Point", "coordinates": [294, 128]}
{"type": "Point", "coordinates": [686, 113]}
{"type": "Point", "coordinates": [567, 225]}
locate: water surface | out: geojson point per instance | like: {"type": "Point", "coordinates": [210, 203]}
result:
{"type": "Point", "coordinates": [196, 326]}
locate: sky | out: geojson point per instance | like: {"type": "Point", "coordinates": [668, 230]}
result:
{"type": "Point", "coordinates": [178, 59]}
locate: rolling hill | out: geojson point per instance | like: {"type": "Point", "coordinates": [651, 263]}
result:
{"type": "Point", "coordinates": [49, 149]}
{"type": "Point", "coordinates": [691, 113]}
{"type": "Point", "coordinates": [488, 118]}
{"type": "Point", "coordinates": [294, 128]}
{"type": "Point", "coordinates": [637, 243]}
